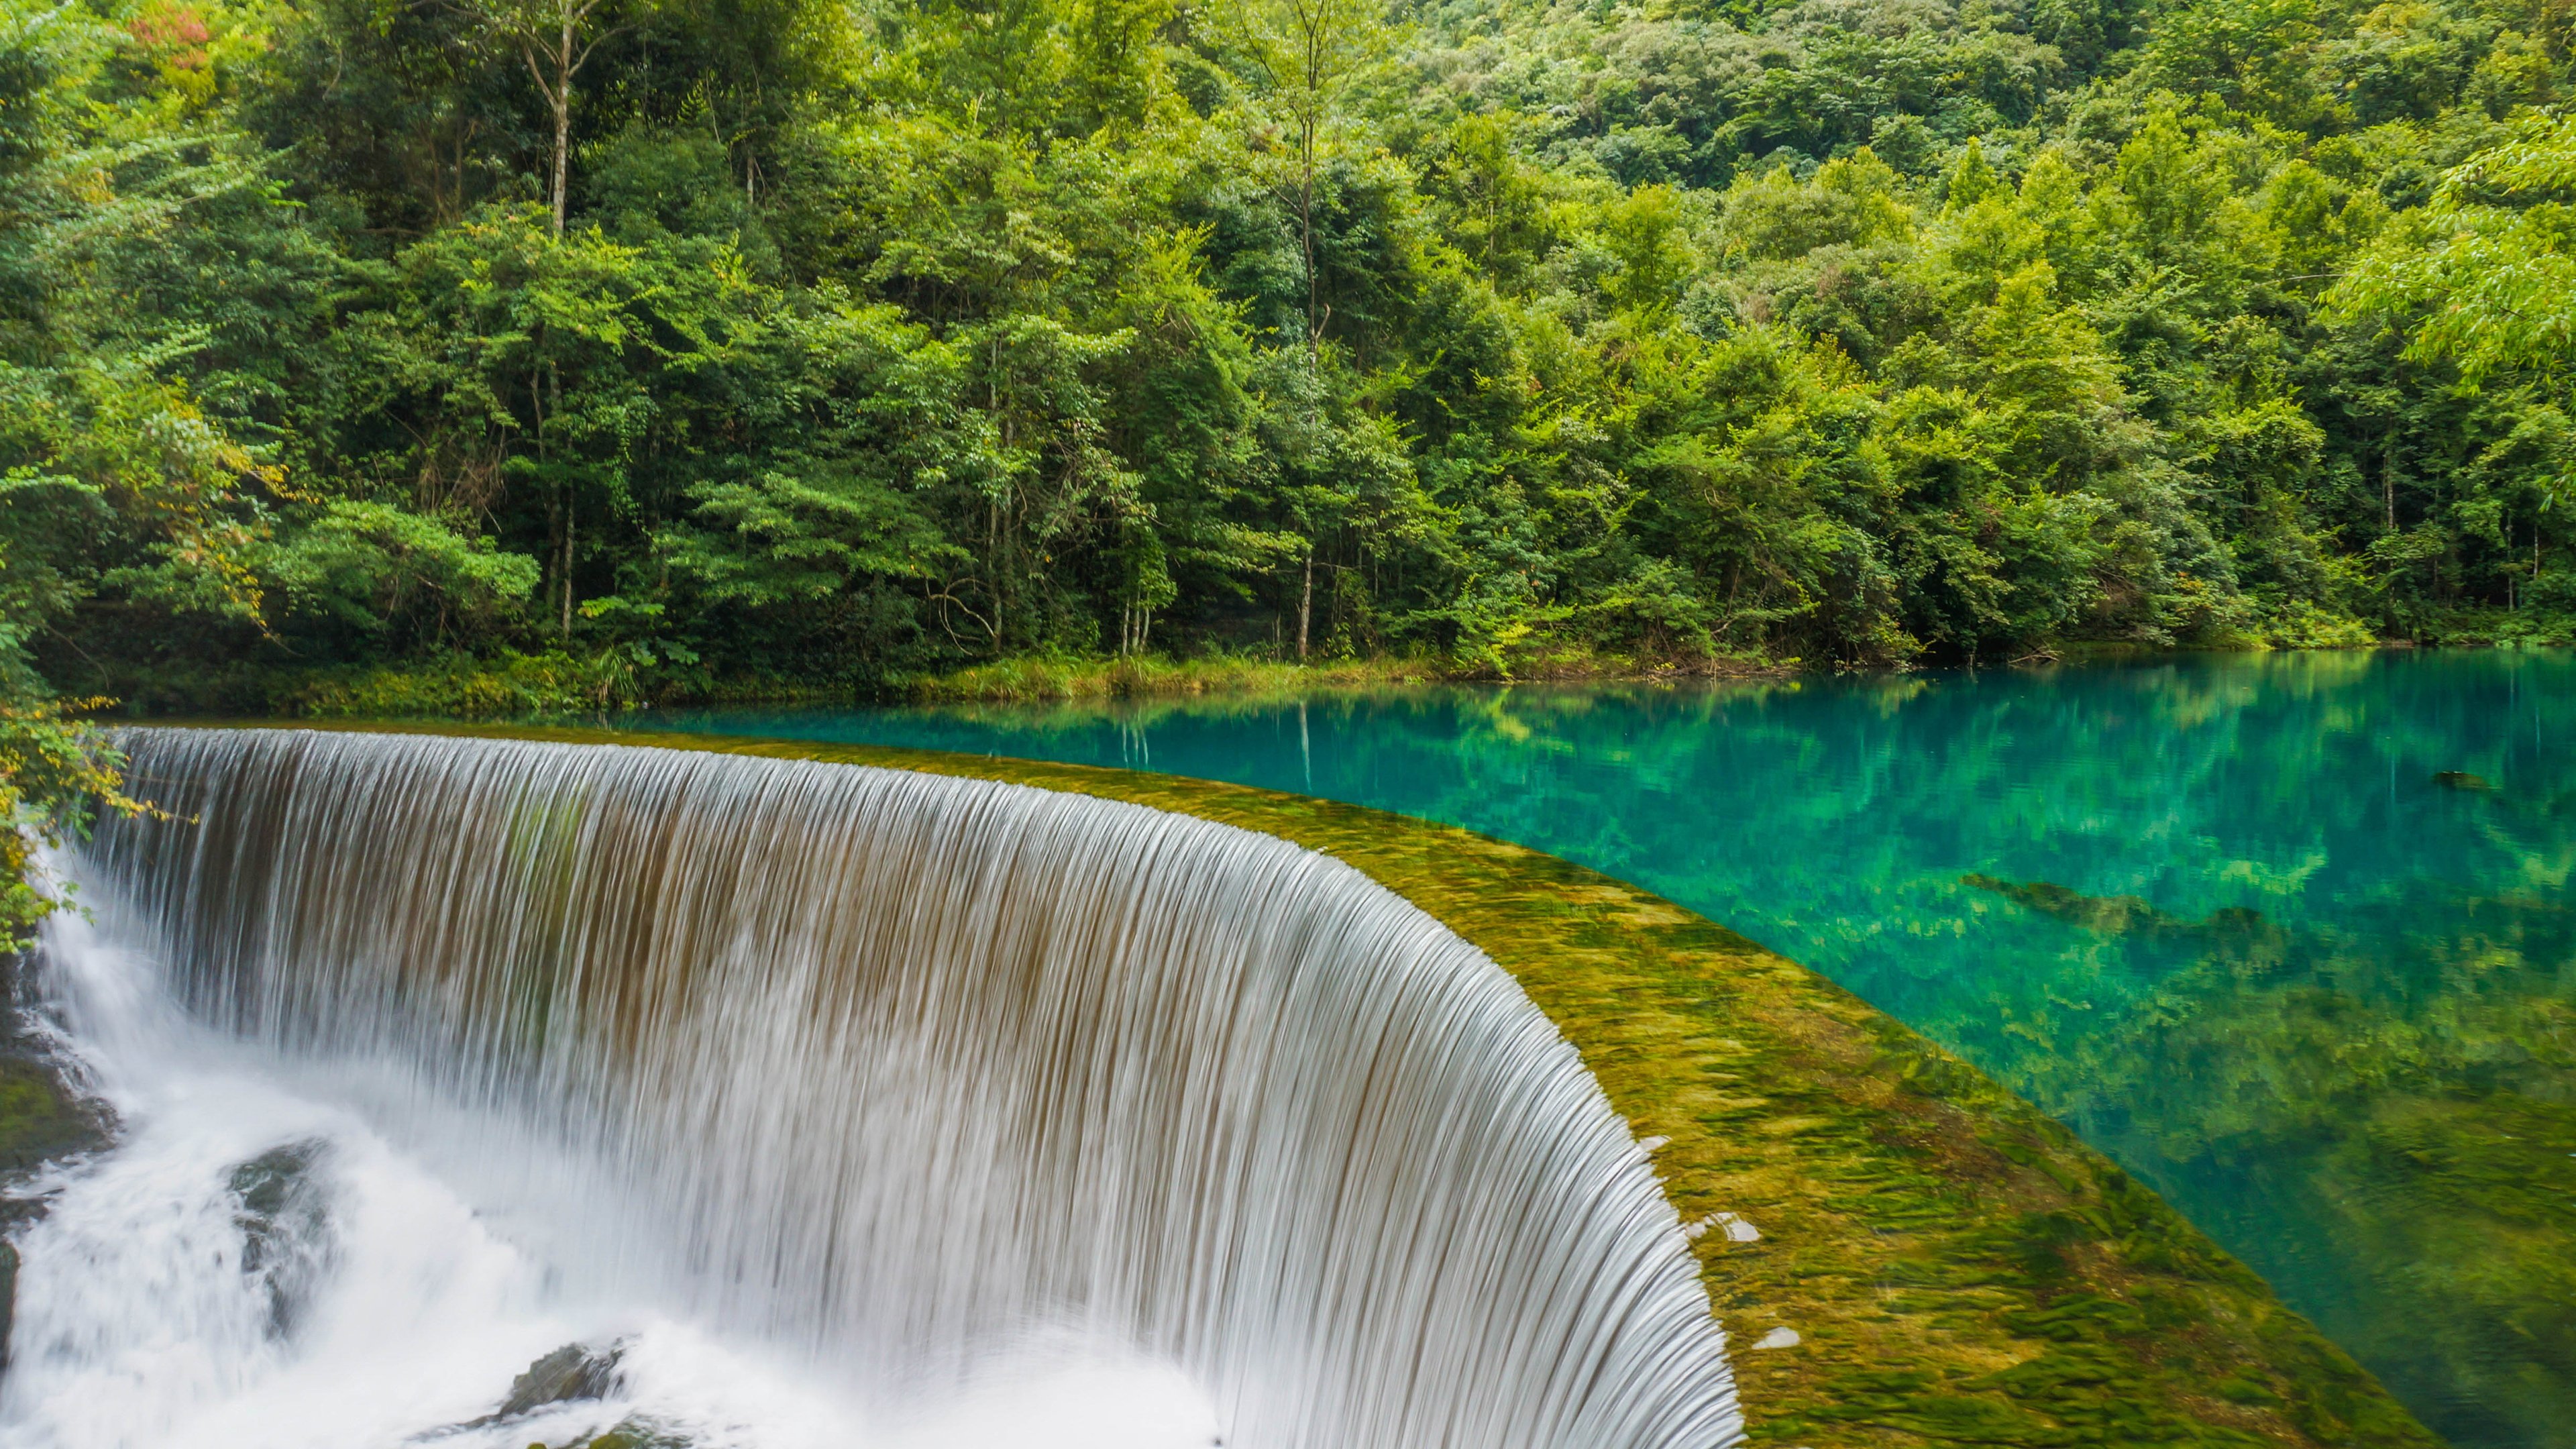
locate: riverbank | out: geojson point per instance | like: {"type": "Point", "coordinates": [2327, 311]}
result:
{"type": "Point", "coordinates": [556, 683]}
{"type": "Point", "coordinates": [1049, 678]}
{"type": "Point", "coordinates": [522, 685]}
{"type": "Point", "coordinates": [588, 680]}
{"type": "Point", "coordinates": [1930, 1259]}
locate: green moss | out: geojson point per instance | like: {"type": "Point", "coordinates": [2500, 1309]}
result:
{"type": "Point", "coordinates": [1958, 1268]}
{"type": "Point", "coordinates": [38, 1118]}
{"type": "Point", "coordinates": [41, 1119]}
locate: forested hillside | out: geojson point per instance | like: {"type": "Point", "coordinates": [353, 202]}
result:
{"type": "Point", "coordinates": [523, 350]}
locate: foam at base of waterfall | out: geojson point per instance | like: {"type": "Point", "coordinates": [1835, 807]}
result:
{"type": "Point", "coordinates": [141, 1325]}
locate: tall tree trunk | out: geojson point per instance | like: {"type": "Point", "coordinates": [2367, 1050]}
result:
{"type": "Point", "coordinates": [1305, 604]}
{"type": "Point", "coordinates": [2388, 481]}
{"type": "Point", "coordinates": [554, 547]}
{"type": "Point", "coordinates": [562, 99]}
{"type": "Point", "coordinates": [565, 567]}
{"type": "Point", "coordinates": [1306, 225]}
{"type": "Point", "coordinates": [564, 55]}
{"type": "Point", "coordinates": [994, 559]}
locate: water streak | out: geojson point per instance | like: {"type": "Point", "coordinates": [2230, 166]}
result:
{"type": "Point", "coordinates": [909, 1075]}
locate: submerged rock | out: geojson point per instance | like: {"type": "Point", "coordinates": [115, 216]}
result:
{"type": "Point", "coordinates": [2109, 915]}
{"type": "Point", "coordinates": [2121, 915]}
{"type": "Point", "coordinates": [284, 1214]}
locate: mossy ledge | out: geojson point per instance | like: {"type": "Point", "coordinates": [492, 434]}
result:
{"type": "Point", "coordinates": [1957, 1268]}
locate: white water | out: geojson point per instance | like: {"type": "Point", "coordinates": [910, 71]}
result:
{"type": "Point", "coordinates": [863, 1108]}
{"type": "Point", "coordinates": [138, 1326]}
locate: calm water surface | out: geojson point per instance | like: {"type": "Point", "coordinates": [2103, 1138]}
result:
{"type": "Point", "coordinates": [2290, 937]}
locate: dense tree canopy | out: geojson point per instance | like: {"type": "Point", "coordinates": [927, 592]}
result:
{"type": "Point", "coordinates": [645, 349]}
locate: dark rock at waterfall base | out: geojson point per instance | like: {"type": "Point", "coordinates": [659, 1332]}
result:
{"type": "Point", "coordinates": [8, 1295]}
{"type": "Point", "coordinates": [43, 1118]}
{"type": "Point", "coordinates": [573, 1374]}
{"type": "Point", "coordinates": [283, 1209]}
{"type": "Point", "coordinates": [570, 1374]}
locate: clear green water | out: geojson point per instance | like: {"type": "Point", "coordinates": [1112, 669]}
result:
{"type": "Point", "coordinates": [2324, 1000]}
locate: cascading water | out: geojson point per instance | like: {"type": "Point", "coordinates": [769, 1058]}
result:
{"type": "Point", "coordinates": [853, 1106]}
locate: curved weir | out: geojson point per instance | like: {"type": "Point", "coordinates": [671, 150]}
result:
{"type": "Point", "coordinates": [911, 1076]}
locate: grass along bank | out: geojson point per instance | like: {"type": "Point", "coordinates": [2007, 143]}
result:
{"type": "Point", "coordinates": [1937, 1262]}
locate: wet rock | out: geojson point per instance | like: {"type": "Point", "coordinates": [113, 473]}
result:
{"type": "Point", "coordinates": [8, 1294]}
{"type": "Point", "coordinates": [575, 1373]}
{"type": "Point", "coordinates": [570, 1374]}
{"type": "Point", "coordinates": [43, 1115]}
{"type": "Point", "coordinates": [633, 1434]}
{"type": "Point", "coordinates": [284, 1213]}
{"type": "Point", "coordinates": [43, 1118]}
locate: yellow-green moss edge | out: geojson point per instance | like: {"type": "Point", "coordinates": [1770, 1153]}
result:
{"type": "Point", "coordinates": [1959, 1269]}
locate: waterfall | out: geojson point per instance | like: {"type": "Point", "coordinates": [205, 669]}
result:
{"type": "Point", "coordinates": [903, 1078]}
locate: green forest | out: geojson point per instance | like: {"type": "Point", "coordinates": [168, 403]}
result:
{"type": "Point", "coordinates": [483, 354]}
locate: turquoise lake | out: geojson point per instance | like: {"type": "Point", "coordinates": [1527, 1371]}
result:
{"type": "Point", "coordinates": [2289, 936]}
